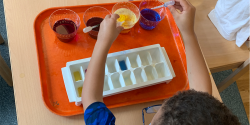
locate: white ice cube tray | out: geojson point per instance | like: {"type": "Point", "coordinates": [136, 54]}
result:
{"type": "Point", "coordinates": [146, 66]}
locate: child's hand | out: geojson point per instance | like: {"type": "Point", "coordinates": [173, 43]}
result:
{"type": "Point", "coordinates": [108, 29]}
{"type": "Point", "coordinates": [185, 18]}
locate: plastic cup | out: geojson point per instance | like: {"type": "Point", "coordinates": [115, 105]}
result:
{"type": "Point", "coordinates": [150, 18]}
{"type": "Point", "coordinates": [94, 16]}
{"type": "Point", "coordinates": [130, 6]}
{"type": "Point", "coordinates": [64, 23]}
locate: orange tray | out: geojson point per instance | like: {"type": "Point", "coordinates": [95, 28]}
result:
{"type": "Point", "coordinates": [53, 55]}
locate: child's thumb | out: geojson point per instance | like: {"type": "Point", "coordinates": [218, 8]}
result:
{"type": "Point", "coordinates": [119, 28]}
{"type": "Point", "coordinates": [172, 10]}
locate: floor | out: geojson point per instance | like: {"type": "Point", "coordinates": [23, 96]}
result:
{"type": "Point", "coordinates": [243, 86]}
{"type": "Point", "coordinates": [231, 97]}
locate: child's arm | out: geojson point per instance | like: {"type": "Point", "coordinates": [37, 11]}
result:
{"type": "Point", "coordinates": [92, 89]}
{"type": "Point", "coordinates": [198, 75]}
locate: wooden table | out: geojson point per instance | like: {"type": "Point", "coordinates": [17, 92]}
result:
{"type": "Point", "coordinates": [219, 53]}
{"type": "Point", "coordinates": [20, 15]}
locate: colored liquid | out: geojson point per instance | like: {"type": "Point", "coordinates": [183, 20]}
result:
{"type": "Point", "coordinates": [123, 65]}
{"type": "Point", "coordinates": [77, 76]}
{"type": "Point", "coordinates": [92, 22]}
{"type": "Point", "coordinates": [150, 15]}
{"type": "Point", "coordinates": [127, 16]}
{"type": "Point", "coordinates": [127, 81]}
{"type": "Point", "coordinates": [65, 27]}
{"type": "Point", "coordinates": [80, 91]}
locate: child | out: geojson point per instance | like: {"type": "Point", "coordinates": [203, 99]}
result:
{"type": "Point", "coordinates": [193, 107]}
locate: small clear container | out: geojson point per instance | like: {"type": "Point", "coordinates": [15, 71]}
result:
{"type": "Point", "coordinates": [64, 23]}
{"type": "Point", "coordinates": [151, 17]}
{"type": "Point", "coordinates": [94, 16]}
{"type": "Point", "coordinates": [129, 14]}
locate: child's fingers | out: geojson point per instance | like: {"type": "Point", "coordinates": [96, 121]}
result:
{"type": "Point", "coordinates": [120, 28]}
{"type": "Point", "coordinates": [183, 3]}
{"type": "Point", "coordinates": [178, 7]}
{"type": "Point", "coordinates": [107, 16]}
{"type": "Point", "coordinates": [115, 16]}
{"type": "Point", "coordinates": [173, 10]}
{"type": "Point", "coordinates": [177, 3]}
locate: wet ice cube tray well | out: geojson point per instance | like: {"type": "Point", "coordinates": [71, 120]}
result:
{"type": "Point", "coordinates": [124, 71]}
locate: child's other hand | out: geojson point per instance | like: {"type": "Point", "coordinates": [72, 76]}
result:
{"type": "Point", "coordinates": [108, 29]}
{"type": "Point", "coordinates": [185, 17]}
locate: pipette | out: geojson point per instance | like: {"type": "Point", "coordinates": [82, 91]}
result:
{"type": "Point", "coordinates": [172, 2]}
{"type": "Point", "coordinates": [89, 28]}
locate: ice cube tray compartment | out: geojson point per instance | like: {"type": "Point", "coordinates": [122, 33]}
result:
{"type": "Point", "coordinates": [78, 84]}
{"type": "Point", "coordinates": [76, 73]}
{"type": "Point", "coordinates": [107, 84]}
{"type": "Point", "coordinates": [145, 58]}
{"type": "Point", "coordinates": [156, 55]}
{"type": "Point", "coordinates": [117, 80]}
{"type": "Point", "coordinates": [106, 70]}
{"type": "Point", "coordinates": [125, 70]}
{"type": "Point", "coordinates": [151, 73]}
{"type": "Point", "coordinates": [135, 60]}
{"type": "Point", "coordinates": [140, 75]}
{"type": "Point", "coordinates": [110, 84]}
{"type": "Point", "coordinates": [124, 63]}
{"type": "Point", "coordinates": [161, 70]}
{"type": "Point", "coordinates": [129, 78]}
{"type": "Point", "coordinates": [113, 65]}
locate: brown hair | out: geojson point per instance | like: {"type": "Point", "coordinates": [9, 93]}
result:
{"type": "Point", "coordinates": [195, 108]}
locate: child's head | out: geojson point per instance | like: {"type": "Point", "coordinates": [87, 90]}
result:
{"type": "Point", "coordinates": [194, 108]}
